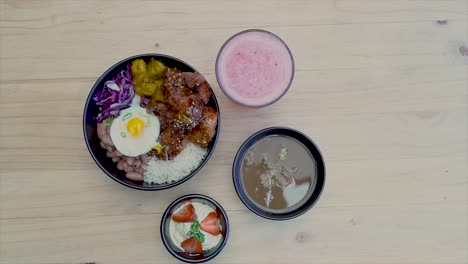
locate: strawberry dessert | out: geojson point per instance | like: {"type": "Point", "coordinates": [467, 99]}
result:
{"type": "Point", "coordinates": [195, 228]}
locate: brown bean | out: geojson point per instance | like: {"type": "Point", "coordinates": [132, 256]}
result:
{"type": "Point", "coordinates": [120, 164]}
{"type": "Point", "coordinates": [101, 130]}
{"type": "Point", "coordinates": [140, 170]}
{"type": "Point", "coordinates": [144, 158]}
{"type": "Point", "coordinates": [135, 176]}
{"type": "Point", "coordinates": [137, 163]}
{"type": "Point", "coordinates": [107, 140]}
{"type": "Point", "coordinates": [110, 154]}
{"type": "Point", "coordinates": [125, 165]}
{"type": "Point", "coordinates": [104, 146]}
{"type": "Point", "coordinates": [115, 159]}
{"type": "Point", "coordinates": [115, 153]}
{"type": "Point", "coordinates": [130, 160]}
{"type": "Point", "coordinates": [129, 169]}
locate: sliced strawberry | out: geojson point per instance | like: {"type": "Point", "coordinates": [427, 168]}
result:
{"type": "Point", "coordinates": [210, 224]}
{"type": "Point", "coordinates": [185, 214]}
{"type": "Point", "coordinates": [192, 245]}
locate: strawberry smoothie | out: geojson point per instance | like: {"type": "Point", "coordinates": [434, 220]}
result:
{"type": "Point", "coordinates": [254, 68]}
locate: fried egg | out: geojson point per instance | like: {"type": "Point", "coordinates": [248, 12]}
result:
{"type": "Point", "coordinates": [134, 131]}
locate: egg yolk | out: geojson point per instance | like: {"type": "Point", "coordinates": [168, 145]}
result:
{"type": "Point", "coordinates": [135, 126]}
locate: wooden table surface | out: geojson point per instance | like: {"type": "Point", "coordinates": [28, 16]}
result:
{"type": "Point", "coordinates": [380, 85]}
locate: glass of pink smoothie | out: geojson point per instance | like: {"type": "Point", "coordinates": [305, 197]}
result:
{"type": "Point", "coordinates": [254, 68]}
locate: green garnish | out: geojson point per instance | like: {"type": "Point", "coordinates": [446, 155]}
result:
{"type": "Point", "coordinates": [266, 164]}
{"type": "Point", "coordinates": [108, 121]}
{"type": "Point", "coordinates": [274, 182]}
{"type": "Point", "coordinates": [195, 232]}
{"type": "Point", "coordinates": [270, 165]}
{"type": "Point", "coordinates": [127, 116]}
{"type": "Point", "coordinates": [282, 155]}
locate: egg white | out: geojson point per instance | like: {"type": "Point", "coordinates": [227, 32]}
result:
{"type": "Point", "coordinates": [141, 144]}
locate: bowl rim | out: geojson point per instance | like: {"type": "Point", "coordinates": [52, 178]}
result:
{"type": "Point", "coordinates": [218, 79]}
{"type": "Point", "coordinates": [155, 187]}
{"type": "Point", "coordinates": [243, 196]}
{"type": "Point", "coordinates": [164, 219]}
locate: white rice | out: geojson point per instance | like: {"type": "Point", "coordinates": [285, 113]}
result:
{"type": "Point", "coordinates": [167, 171]}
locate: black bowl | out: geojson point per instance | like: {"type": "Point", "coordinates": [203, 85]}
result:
{"type": "Point", "coordinates": [174, 250]}
{"type": "Point", "coordinates": [90, 129]}
{"type": "Point", "coordinates": [310, 146]}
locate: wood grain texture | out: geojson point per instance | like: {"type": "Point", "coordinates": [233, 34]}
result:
{"type": "Point", "coordinates": [381, 86]}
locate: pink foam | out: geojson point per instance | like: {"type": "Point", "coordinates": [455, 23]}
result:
{"type": "Point", "coordinates": [254, 68]}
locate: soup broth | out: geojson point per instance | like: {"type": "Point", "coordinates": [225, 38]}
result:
{"type": "Point", "coordinates": [278, 173]}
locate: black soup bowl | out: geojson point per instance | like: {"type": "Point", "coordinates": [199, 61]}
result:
{"type": "Point", "coordinates": [241, 184]}
{"type": "Point", "coordinates": [91, 110]}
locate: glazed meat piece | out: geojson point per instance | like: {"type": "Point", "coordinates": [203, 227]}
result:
{"type": "Point", "coordinates": [185, 89]}
{"type": "Point", "coordinates": [184, 115]}
{"type": "Point", "coordinates": [173, 141]}
{"type": "Point", "coordinates": [165, 112]}
{"type": "Point", "coordinates": [188, 93]}
{"type": "Point", "coordinates": [173, 133]}
{"type": "Point", "coordinates": [198, 86]}
{"type": "Point", "coordinates": [204, 133]}
{"type": "Point", "coordinates": [174, 89]}
{"type": "Point", "coordinates": [184, 120]}
{"type": "Point", "coordinates": [190, 117]}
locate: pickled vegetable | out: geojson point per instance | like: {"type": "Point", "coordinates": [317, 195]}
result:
{"type": "Point", "coordinates": [156, 69]}
{"type": "Point", "coordinates": [144, 86]}
{"type": "Point", "coordinates": [147, 78]}
{"type": "Point", "coordinates": [158, 94]}
{"type": "Point", "coordinates": [138, 67]}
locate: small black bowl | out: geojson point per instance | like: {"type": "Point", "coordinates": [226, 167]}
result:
{"type": "Point", "coordinates": [174, 250]}
{"type": "Point", "coordinates": [90, 125]}
{"type": "Point", "coordinates": [310, 146]}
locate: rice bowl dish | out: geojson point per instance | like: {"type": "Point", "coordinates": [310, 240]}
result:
{"type": "Point", "coordinates": [155, 119]}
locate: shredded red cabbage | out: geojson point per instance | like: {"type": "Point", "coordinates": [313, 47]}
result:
{"type": "Point", "coordinates": [112, 101]}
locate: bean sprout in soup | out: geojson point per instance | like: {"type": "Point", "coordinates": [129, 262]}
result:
{"type": "Point", "coordinates": [278, 173]}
